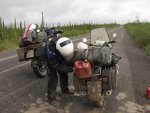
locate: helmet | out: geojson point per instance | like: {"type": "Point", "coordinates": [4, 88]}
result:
{"type": "Point", "coordinates": [32, 27]}
{"type": "Point", "coordinates": [65, 46]}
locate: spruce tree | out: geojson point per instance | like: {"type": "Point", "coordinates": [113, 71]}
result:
{"type": "Point", "coordinates": [0, 23]}
{"type": "Point", "coordinates": [42, 23]}
{"type": "Point", "coordinates": [24, 24]}
{"type": "Point", "coordinates": [3, 24]}
{"type": "Point", "coordinates": [0, 29]}
{"type": "Point", "coordinates": [15, 24]}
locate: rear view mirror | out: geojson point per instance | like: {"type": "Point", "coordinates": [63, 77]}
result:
{"type": "Point", "coordinates": [84, 40]}
{"type": "Point", "coordinates": [38, 30]}
{"type": "Point", "coordinates": [114, 35]}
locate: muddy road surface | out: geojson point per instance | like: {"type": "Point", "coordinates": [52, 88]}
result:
{"type": "Point", "coordinates": [22, 92]}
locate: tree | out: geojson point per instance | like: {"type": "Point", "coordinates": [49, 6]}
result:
{"type": "Point", "coordinates": [3, 24]}
{"type": "Point", "coordinates": [20, 28]}
{"type": "Point", "coordinates": [15, 24]}
{"type": "Point", "coordinates": [42, 23]}
{"type": "Point", "coordinates": [137, 19]}
{"type": "Point", "coordinates": [24, 24]}
{"type": "Point", "coordinates": [0, 22]}
{"type": "Point", "coordinates": [0, 29]}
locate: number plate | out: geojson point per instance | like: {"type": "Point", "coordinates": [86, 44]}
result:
{"type": "Point", "coordinates": [30, 54]}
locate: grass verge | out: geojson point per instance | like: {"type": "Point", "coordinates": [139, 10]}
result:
{"type": "Point", "coordinates": [141, 33]}
{"type": "Point", "coordinates": [72, 31]}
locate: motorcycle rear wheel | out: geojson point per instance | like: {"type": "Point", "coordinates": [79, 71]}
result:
{"type": "Point", "coordinates": [100, 103]}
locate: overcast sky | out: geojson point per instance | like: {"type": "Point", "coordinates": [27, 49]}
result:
{"type": "Point", "coordinates": [75, 11]}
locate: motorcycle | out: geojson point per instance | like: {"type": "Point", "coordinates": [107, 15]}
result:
{"type": "Point", "coordinates": [31, 45]}
{"type": "Point", "coordinates": [94, 80]}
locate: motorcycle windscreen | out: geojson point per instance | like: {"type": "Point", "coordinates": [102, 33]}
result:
{"type": "Point", "coordinates": [99, 34]}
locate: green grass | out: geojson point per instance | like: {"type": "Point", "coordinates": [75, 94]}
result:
{"type": "Point", "coordinates": [9, 35]}
{"type": "Point", "coordinates": [141, 33]}
{"type": "Point", "coordinates": [77, 30]}
{"type": "Point", "coordinates": [6, 45]}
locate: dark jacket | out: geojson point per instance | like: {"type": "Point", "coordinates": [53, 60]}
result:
{"type": "Point", "coordinates": [53, 57]}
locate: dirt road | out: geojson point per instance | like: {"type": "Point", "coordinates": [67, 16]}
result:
{"type": "Point", "coordinates": [22, 92]}
{"type": "Point", "coordinates": [133, 78]}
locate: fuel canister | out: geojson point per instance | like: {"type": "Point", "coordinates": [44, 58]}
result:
{"type": "Point", "coordinates": [148, 92]}
{"type": "Point", "coordinates": [83, 69]}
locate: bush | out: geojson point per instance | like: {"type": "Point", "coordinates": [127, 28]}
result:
{"type": "Point", "coordinates": [9, 35]}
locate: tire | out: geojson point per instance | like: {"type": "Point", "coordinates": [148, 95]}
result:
{"type": "Point", "coordinates": [39, 68]}
{"type": "Point", "coordinates": [101, 102]}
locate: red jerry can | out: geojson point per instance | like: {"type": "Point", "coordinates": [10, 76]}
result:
{"type": "Point", "coordinates": [148, 92]}
{"type": "Point", "coordinates": [83, 69]}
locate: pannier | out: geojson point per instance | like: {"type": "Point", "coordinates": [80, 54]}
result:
{"type": "Point", "coordinates": [29, 52]}
{"type": "Point", "coordinates": [25, 54]}
{"type": "Point", "coordinates": [31, 43]}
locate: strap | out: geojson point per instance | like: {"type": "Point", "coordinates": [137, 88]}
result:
{"type": "Point", "coordinates": [87, 53]}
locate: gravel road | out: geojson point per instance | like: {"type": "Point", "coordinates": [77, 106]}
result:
{"type": "Point", "coordinates": [22, 92]}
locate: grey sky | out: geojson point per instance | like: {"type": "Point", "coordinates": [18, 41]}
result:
{"type": "Point", "coordinates": [75, 11]}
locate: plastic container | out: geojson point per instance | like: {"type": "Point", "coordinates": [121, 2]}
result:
{"type": "Point", "coordinates": [148, 92]}
{"type": "Point", "coordinates": [83, 69]}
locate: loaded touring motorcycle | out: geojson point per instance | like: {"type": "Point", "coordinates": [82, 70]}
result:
{"type": "Point", "coordinates": [95, 67]}
{"type": "Point", "coordinates": [31, 44]}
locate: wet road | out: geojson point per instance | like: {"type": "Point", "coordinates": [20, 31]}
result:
{"type": "Point", "coordinates": [22, 92]}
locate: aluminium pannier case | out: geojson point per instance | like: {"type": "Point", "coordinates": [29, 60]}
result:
{"type": "Point", "coordinates": [27, 54]}
{"type": "Point", "coordinates": [24, 54]}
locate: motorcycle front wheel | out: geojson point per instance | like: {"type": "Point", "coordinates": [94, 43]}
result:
{"type": "Point", "coordinates": [39, 68]}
